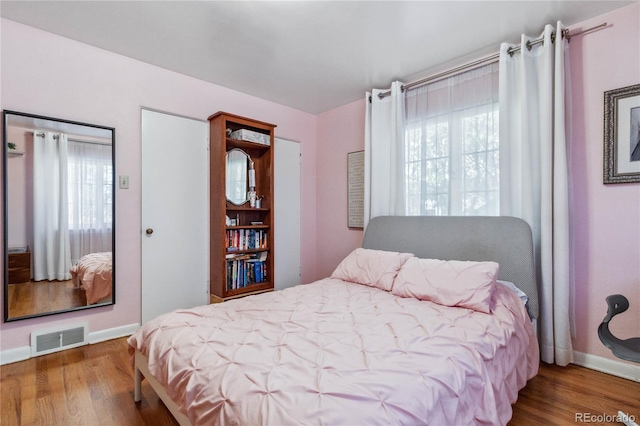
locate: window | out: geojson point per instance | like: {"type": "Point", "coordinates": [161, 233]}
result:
{"type": "Point", "coordinates": [451, 145]}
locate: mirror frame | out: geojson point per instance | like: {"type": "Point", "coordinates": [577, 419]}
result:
{"type": "Point", "coordinates": [5, 156]}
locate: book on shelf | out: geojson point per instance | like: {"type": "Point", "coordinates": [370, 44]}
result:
{"type": "Point", "coordinates": [244, 270]}
{"type": "Point", "coordinates": [246, 239]}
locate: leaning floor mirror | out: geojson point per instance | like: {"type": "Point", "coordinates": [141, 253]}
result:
{"type": "Point", "coordinates": [59, 211]}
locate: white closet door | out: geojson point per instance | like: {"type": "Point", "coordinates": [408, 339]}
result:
{"type": "Point", "coordinates": [287, 213]}
{"type": "Point", "coordinates": [175, 213]}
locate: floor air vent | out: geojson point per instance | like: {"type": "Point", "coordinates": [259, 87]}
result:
{"type": "Point", "coordinates": [53, 340]}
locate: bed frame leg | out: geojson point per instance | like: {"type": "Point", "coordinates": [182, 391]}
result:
{"type": "Point", "coordinates": [137, 392]}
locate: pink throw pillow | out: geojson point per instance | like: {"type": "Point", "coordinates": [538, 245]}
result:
{"type": "Point", "coordinates": [450, 283]}
{"type": "Point", "coordinates": [375, 268]}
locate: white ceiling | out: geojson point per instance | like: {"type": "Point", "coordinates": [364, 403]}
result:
{"type": "Point", "coordinates": [310, 55]}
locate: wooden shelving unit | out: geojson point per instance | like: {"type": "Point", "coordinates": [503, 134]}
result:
{"type": "Point", "coordinates": [225, 283]}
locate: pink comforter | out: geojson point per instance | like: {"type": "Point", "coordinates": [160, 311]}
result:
{"type": "Point", "coordinates": [94, 271]}
{"type": "Point", "coordinates": [334, 352]}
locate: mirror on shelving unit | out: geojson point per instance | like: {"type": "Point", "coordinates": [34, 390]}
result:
{"type": "Point", "coordinates": [238, 168]}
{"type": "Point", "coordinates": [59, 210]}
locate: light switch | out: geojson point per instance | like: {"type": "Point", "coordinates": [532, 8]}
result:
{"type": "Point", "coordinates": [124, 182]}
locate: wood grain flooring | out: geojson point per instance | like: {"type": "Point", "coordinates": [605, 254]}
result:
{"type": "Point", "coordinates": [93, 385]}
{"type": "Point", "coordinates": [90, 385]}
{"type": "Point", "coordinates": [560, 395]}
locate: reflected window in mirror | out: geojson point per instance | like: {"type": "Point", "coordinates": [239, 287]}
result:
{"type": "Point", "coordinates": [59, 205]}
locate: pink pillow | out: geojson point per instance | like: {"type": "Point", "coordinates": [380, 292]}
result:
{"type": "Point", "coordinates": [375, 268]}
{"type": "Point", "coordinates": [449, 283]}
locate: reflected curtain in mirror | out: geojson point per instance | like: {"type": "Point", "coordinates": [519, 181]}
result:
{"type": "Point", "coordinates": [51, 255]}
{"type": "Point", "coordinates": [59, 206]}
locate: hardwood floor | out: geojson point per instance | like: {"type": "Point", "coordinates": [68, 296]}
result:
{"type": "Point", "coordinates": [93, 385]}
{"type": "Point", "coordinates": [90, 385]}
{"type": "Point", "coordinates": [560, 395]}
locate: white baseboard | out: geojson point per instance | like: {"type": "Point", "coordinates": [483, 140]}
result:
{"type": "Point", "coordinates": [24, 352]}
{"type": "Point", "coordinates": [112, 333]}
{"type": "Point", "coordinates": [606, 365]}
{"type": "Point", "coordinates": [14, 355]}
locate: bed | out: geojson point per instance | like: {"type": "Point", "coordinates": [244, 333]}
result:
{"type": "Point", "coordinates": [386, 339]}
{"type": "Point", "coordinates": [93, 273]}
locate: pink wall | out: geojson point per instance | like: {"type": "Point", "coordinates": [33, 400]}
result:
{"type": "Point", "coordinates": [340, 131]}
{"type": "Point", "coordinates": [49, 75]}
{"type": "Point", "coordinates": [605, 219]}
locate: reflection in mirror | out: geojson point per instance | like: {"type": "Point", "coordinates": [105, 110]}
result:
{"type": "Point", "coordinates": [237, 172]}
{"type": "Point", "coordinates": [59, 215]}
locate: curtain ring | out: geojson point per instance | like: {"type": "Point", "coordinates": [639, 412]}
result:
{"type": "Point", "coordinates": [528, 45]}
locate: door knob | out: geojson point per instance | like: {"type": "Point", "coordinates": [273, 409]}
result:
{"type": "Point", "coordinates": [149, 231]}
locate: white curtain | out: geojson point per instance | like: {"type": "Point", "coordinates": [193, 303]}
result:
{"type": "Point", "coordinates": [51, 253]}
{"type": "Point", "coordinates": [452, 145]}
{"type": "Point", "coordinates": [384, 154]}
{"type": "Point", "coordinates": [90, 195]}
{"type": "Point", "coordinates": [534, 174]}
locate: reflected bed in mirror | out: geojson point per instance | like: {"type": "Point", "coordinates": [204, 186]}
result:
{"type": "Point", "coordinates": [59, 210]}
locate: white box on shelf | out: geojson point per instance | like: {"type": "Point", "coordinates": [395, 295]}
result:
{"type": "Point", "coordinates": [251, 136]}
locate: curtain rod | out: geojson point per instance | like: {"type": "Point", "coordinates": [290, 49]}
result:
{"type": "Point", "coordinates": [487, 59]}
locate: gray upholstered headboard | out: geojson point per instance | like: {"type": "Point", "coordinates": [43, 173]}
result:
{"type": "Point", "coordinates": [506, 240]}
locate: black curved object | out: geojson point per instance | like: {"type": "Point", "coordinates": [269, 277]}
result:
{"type": "Point", "coordinates": [628, 349]}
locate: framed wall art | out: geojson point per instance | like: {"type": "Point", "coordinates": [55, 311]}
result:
{"type": "Point", "coordinates": [622, 135]}
{"type": "Point", "coordinates": [355, 189]}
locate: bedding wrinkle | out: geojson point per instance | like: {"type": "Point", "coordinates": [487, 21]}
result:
{"type": "Point", "coordinates": [335, 352]}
